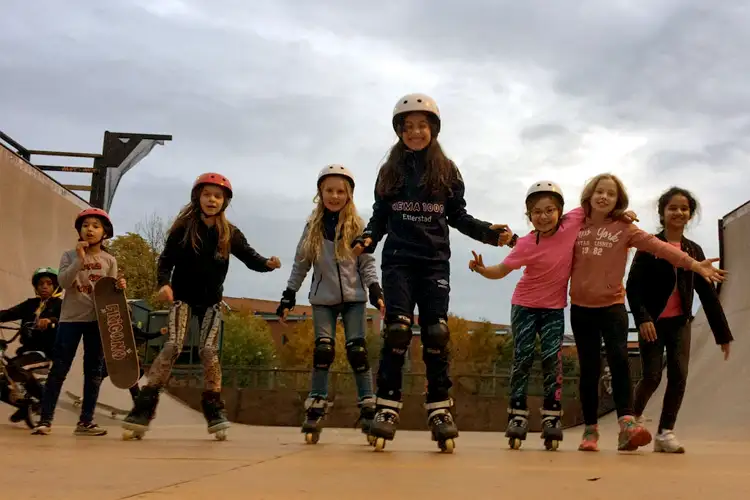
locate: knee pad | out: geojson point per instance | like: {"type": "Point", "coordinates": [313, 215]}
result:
{"type": "Point", "coordinates": [398, 334]}
{"type": "Point", "coordinates": [435, 338]}
{"type": "Point", "coordinates": [356, 353]}
{"type": "Point", "coordinates": [324, 353]}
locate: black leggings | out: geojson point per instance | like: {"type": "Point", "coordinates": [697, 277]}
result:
{"type": "Point", "coordinates": [590, 326]}
{"type": "Point", "coordinates": [672, 334]}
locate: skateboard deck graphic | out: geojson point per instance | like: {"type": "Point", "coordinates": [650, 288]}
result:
{"type": "Point", "coordinates": [116, 331]}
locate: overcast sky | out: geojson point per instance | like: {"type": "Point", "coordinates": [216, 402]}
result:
{"type": "Point", "coordinates": [656, 91]}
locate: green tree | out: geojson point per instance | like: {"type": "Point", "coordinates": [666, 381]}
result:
{"type": "Point", "coordinates": [138, 261]}
{"type": "Point", "coordinates": [247, 341]}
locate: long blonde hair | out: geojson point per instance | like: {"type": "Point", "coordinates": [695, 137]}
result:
{"type": "Point", "coordinates": [190, 217]}
{"type": "Point", "coordinates": [350, 225]}
{"type": "Point", "coordinates": [622, 195]}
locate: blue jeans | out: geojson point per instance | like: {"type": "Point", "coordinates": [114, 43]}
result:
{"type": "Point", "coordinates": [355, 325]}
{"type": "Point", "coordinates": [66, 344]}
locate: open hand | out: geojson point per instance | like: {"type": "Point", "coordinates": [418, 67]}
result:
{"type": "Point", "coordinates": [706, 269]}
{"type": "Point", "coordinates": [273, 263]}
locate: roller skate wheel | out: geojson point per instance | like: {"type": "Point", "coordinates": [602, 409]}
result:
{"type": "Point", "coordinates": [221, 435]}
{"type": "Point", "coordinates": [128, 435]}
{"type": "Point", "coordinates": [371, 440]}
{"type": "Point", "coordinates": [312, 438]}
{"type": "Point", "coordinates": [514, 443]}
{"type": "Point", "coordinates": [379, 444]}
{"type": "Point", "coordinates": [552, 444]}
{"type": "Point", "coordinates": [447, 446]}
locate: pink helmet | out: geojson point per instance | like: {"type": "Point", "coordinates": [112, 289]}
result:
{"type": "Point", "coordinates": [214, 179]}
{"type": "Point", "coordinates": [99, 213]}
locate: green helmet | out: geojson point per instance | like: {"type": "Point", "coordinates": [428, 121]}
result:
{"type": "Point", "coordinates": [50, 272]}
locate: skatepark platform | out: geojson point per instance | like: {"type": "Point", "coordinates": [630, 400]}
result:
{"type": "Point", "coordinates": [178, 459]}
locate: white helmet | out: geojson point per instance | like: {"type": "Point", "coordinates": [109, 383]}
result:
{"type": "Point", "coordinates": [546, 187]}
{"type": "Point", "coordinates": [416, 102]}
{"type": "Point", "coordinates": [336, 169]}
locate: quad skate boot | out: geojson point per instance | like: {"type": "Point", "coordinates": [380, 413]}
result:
{"type": "Point", "coordinates": [384, 423]}
{"type": "Point", "coordinates": [552, 432]}
{"type": "Point", "coordinates": [136, 423]}
{"type": "Point", "coordinates": [213, 411]}
{"type": "Point", "coordinates": [316, 409]}
{"type": "Point", "coordinates": [366, 416]}
{"type": "Point", "coordinates": [518, 426]}
{"type": "Point", "coordinates": [441, 424]}
{"type": "Point", "coordinates": [590, 440]}
{"type": "Point", "coordinates": [632, 434]}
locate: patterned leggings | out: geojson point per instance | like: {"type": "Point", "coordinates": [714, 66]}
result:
{"type": "Point", "coordinates": [179, 320]}
{"type": "Point", "coordinates": [550, 325]}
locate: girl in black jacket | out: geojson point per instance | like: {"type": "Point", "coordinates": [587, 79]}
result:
{"type": "Point", "coordinates": [419, 193]}
{"type": "Point", "coordinates": [192, 269]}
{"type": "Point", "coordinates": [661, 299]}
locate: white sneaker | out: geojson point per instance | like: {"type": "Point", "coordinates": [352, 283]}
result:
{"type": "Point", "coordinates": [640, 420]}
{"type": "Point", "coordinates": [666, 442]}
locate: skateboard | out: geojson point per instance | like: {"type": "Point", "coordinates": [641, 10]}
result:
{"type": "Point", "coordinates": [116, 331]}
{"type": "Point", "coordinates": [111, 409]}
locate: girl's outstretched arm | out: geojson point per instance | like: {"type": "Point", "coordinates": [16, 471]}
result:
{"type": "Point", "coordinates": [247, 254]}
{"type": "Point", "coordinates": [459, 218]}
{"type": "Point", "coordinates": [717, 320]}
{"type": "Point", "coordinates": [495, 272]}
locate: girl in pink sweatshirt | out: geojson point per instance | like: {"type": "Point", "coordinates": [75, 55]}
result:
{"type": "Point", "coordinates": [597, 298]}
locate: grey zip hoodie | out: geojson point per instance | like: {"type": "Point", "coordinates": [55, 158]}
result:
{"type": "Point", "coordinates": [333, 282]}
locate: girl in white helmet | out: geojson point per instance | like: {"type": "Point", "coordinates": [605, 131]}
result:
{"type": "Point", "coordinates": [192, 269]}
{"type": "Point", "coordinates": [341, 284]}
{"type": "Point", "coordinates": [538, 305]}
{"type": "Point", "coordinates": [418, 194]}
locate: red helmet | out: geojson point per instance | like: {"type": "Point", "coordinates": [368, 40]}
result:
{"type": "Point", "coordinates": [102, 215]}
{"type": "Point", "coordinates": [215, 180]}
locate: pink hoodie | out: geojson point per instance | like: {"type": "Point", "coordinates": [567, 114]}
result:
{"type": "Point", "coordinates": [601, 255]}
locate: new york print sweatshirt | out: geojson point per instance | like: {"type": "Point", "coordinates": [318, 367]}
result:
{"type": "Point", "coordinates": [601, 254]}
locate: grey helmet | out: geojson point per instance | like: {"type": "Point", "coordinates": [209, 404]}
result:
{"type": "Point", "coordinates": [411, 103]}
{"type": "Point", "coordinates": [546, 187]}
{"type": "Point", "coordinates": [335, 169]}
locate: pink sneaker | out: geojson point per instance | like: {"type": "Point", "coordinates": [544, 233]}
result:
{"type": "Point", "coordinates": [590, 441]}
{"type": "Point", "coordinates": [632, 434]}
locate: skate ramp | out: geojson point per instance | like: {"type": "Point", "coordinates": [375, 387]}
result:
{"type": "Point", "coordinates": [716, 404]}
{"type": "Point", "coordinates": [170, 412]}
{"type": "Point", "coordinates": [37, 215]}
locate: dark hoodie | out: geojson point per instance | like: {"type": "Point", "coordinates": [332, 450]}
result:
{"type": "Point", "coordinates": [651, 281]}
{"type": "Point", "coordinates": [42, 340]}
{"type": "Point", "coordinates": [198, 277]}
{"type": "Point", "coordinates": [416, 221]}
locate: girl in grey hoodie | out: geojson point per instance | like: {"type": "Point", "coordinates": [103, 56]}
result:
{"type": "Point", "coordinates": [341, 285]}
